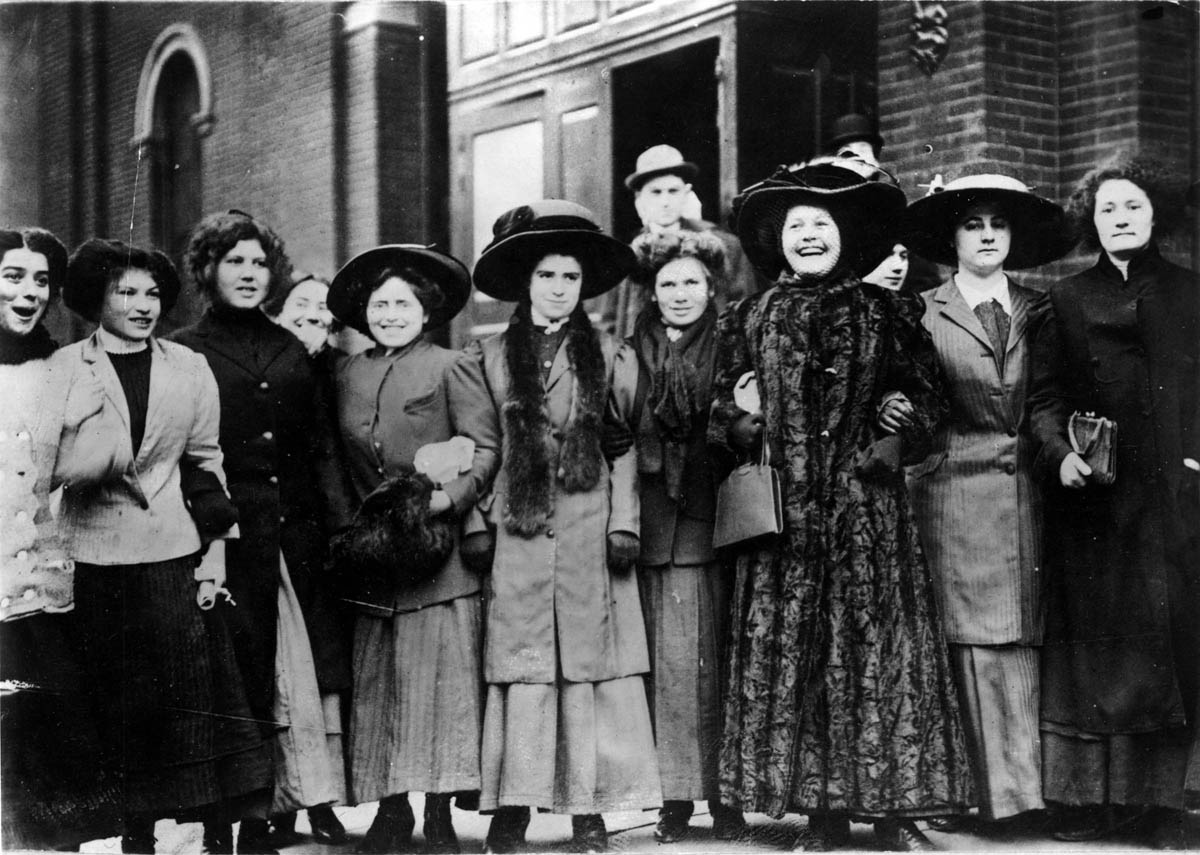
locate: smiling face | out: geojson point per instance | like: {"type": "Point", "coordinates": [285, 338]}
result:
{"type": "Point", "coordinates": [982, 240]}
{"type": "Point", "coordinates": [554, 287]}
{"type": "Point", "coordinates": [395, 316]}
{"type": "Point", "coordinates": [892, 271]}
{"type": "Point", "coordinates": [132, 306]}
{"type": "Point", "coordinates": [681, 291]}
{"type": "Point", "coordinates": [811, 240]}
{"type": "Point", "coordinates": [660, 200]}
{"type": "Point", "coordinates": [243, 276]}
{"type": "Point", "coordinates": [24, 290]}
{"type": "Point", "coordinates": [306, 306]}
{"type": "Point", "coordinates": [1124, 217]}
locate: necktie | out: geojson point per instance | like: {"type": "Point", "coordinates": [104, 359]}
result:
{"type": "Point", "coordinates": [996, 324]}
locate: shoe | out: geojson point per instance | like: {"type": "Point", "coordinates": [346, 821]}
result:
{"type": "Point", "coordinates": [325, 826]}
{"type": "Point", "coordinates": [283, 831]}
{"type": "Point", "coordinates": [254, 838]}
{"type": "Point", "coordinates": [1096, 822]}
{"type": "Point", "coordinates": [507, 830]}
{"type": "Point", "coordinates": [834, 826]}
{"type": "Point", "coordinates": [439, 828]}
{"type": "Point", "coordinates": [673, 821]}
{"type": "Point", "coordinates": [1167, 829]}
{"type": "Point", "coordinates": [901, 835]}
{"type": "Point", "coordinates": [391, 830]}
{"type": "Point", "coordinates": [138, 838]}
{"type": "Point", "coordinates": [959, 823]}
{"type": "Point", "coordinates": [588, 833]}
{"type": "Point", "coordinates": [218, 838]}
{"type": "Point", "coordinates": [811, 839]}
{"type": "Point", "coordinates": [728, 824]}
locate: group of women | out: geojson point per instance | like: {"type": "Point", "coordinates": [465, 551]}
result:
{"type": "Point", "coordinates": [956, 613]}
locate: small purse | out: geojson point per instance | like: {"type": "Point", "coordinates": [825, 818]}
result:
{"type": "Point", "coordinates": [1094, 438]}
{"type": "Point", "coordinates": [749, 502]}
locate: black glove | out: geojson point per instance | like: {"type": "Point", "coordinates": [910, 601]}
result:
{"type": "Point", "coordinates": [623, 550]}
{"type": "Point", "coordinates": [211, 509]}
{"type": "Point", "coordinates": [880, 461]}
{"type": "Point", "coordinates": [617, 439]}
{"type": "Point", "coordinates": [746, 431]}
{"type": "Point", "coordinates": [478, 550]}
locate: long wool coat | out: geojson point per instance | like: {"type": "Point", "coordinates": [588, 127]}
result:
{"type": "Point", "coordinates": [1122, 560]}
{"type": "Point", "coordinates": [553, 606]}
{"type": "Point", "coordinates": [840, 694]}
{"type": "Point", "coordinates": [975, 499]}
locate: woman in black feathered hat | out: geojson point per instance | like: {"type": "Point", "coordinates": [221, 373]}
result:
{"type": "Point", "coordinates": [416, 458]}
{"type": "Point", "coordinates": [566, 727]}
{"type": "Point", "coordinates": [841, 701]}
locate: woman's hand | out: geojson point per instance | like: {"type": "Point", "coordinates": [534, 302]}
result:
{"type": "Point", "coordinates": [439, 502]}
{"type": "Point", "coordinates": [896, 412]}
{"type": "Point", "coordinates": [623, 551]}
{"type": "Point", "coordinates": [747, 430]}
{"type": "Point", "coordinates": [1073, 472]}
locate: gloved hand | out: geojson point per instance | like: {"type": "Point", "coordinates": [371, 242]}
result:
{"type": "Point", "coordinates": [478, 550]}
{"type": "Point", "coordinates": [623, 550]}
{"type": "Point", "coordinates": [617, 440]}
{"type": "Point", "coordinates": [747, 431]}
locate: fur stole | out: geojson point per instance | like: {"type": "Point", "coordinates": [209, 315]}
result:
{"type": "Point", "coordinates": [529, 445]}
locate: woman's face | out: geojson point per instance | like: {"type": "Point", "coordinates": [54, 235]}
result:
{"type": "Point", "coordinates": [243, 276]}
{"type": "Point", "coordinates": [395, 316]}
{"type": "Point", "coordinates": [681, 291]}
{"type": "Point", "coordinates": [24, 290]}
{"type": "Point", "coordinates": [306, 306]}
{"type": "Point", "coordinates": [554, 287]}
{"type": "Point", "coordinates": [982, 240]}
{"type": "Point", "coordinates": [132, 306]}
{"type": "Point", "coordinates": [811, 240]}
{"type": "Point", "coordinates": [1124, 217]}
{"type": "Point", "coordinates": [892, 271]}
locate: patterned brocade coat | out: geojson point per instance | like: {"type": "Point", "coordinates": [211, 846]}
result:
{"type": "Point", "coordinates": [840, 694]}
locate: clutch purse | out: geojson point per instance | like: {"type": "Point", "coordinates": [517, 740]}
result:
{"type": "Point", "coordinates": [1094, 438]}
{"type": "Point", "coordinates": [749, 503]}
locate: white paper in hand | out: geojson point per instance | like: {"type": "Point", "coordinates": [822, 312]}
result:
{"type": "Point", "coordinates": [745, 393]}
{"type": "Point", "coordinates": [442, 462]}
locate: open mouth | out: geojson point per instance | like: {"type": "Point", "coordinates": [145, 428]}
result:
{"type": "Point", "coordinates": [25, 313]}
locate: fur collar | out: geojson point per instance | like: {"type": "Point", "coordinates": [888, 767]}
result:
{"type": "Point", "coordinates": [529, 445]}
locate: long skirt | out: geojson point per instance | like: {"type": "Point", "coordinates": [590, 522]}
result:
{"type": "Point", "coordinates": [1146, 769]}
{"type": "Point", "coordinates": [417, 709]}
{"type": "Point", "coordinates": [998, 694]}
{"type": "Point", "coordinates": [574, 748]}
{"type": "Point", "coordinates": [169, 700]}
{"type": "Point", "coordinates": [686, 611]}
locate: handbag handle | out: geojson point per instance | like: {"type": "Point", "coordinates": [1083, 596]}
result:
{"type": "Point", "coordinates": [1094, 434]}
{"type": "Point", "coordinates": [764, 455]}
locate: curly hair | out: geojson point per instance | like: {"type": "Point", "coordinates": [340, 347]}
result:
{"type": "Point", "coordinates": [218, 233]}
{"type": "Point", "coordinates": [655, 250]}
{"type": "Point", "coordinates": [98, 264]}
{"type": "Point", "coordinates": [39, 240]}
{"type": "Point", "coordinates": [428, 293]}
{"type": "Point", "coordinates": [1157, 181]}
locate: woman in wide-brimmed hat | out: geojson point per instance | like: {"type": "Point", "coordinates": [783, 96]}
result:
{"type": "Point", "coordinates": [975, 496]}
{"type": "Point", "coordinates": [417, 711]}
{"type": "Point", "coordinates": [840, 701]}
{"type": "Point", "coordinates": [566, 727]}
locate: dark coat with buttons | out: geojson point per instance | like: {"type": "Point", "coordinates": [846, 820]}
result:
{"type": "Point", "coordinates": [975, 497]}
{"type": "Point", "coordinates": [1123, 562]}
{"type": "Point", "coordinates": [270, 440]}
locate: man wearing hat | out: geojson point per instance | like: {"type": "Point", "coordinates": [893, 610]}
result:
{"type": "Point", "coordinates": [662, 188]}
{"type": "Point", "coordinates": [855, 135]}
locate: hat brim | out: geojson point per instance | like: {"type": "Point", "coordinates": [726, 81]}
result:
{"type": "Point", "coordinates": [1040, 229]}
{"type": "Point", "coordinates": [685, 170]}
{"type": "Point", "coordinates": [499, 271]}
{"type": "Point", "coordinates": [352, 286]}
{"type": "Point", "coordinates": [872, 206]}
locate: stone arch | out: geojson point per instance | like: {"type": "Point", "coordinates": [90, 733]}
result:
{"type": "Point", "coordinates": [175, 39]}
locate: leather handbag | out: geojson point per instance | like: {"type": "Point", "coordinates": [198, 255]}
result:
{"type": "Point", "coordinates": [1094, 438]}
{"type": "Point", "coordinates": [749, 503]}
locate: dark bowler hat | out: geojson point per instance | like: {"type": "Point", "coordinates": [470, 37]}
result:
{"type": "Point", "coordinates": [660, 160]}
{"type": "Point", "coordinates": [353, 284]}
{"type": "Point", "coordinates": [524, 235]}
{"type": "Point", "coordinates": [97, 262]}
{"type": "Point", "coordinates": [851, 127]}
{"type": "Point", "coordinates": [1039, 227]}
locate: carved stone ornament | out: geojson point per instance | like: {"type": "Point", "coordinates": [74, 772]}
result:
{"type": "Point", "coordinates": [930, 36]}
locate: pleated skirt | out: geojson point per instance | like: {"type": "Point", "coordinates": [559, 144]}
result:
{"type": "Point", "coordinates": [686, 610]}
{"type": "Point", "coordinates": [165, 688]}
{"type": "Point", "coordinates": [417, 710]}
{"type": "Point", "coordinates": [572, 748]}
{"type": "Point", "coordinates": [1146, 769]}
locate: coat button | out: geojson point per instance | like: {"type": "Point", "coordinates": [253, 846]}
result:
{"type": "Point", "coordinates": [29, 594]}
{"type": "Point", "coordinates": [1010, 468]}
{"type": "Point", "coordinates": [268, 435]}
{"type": "Point", "coordinates": [547, 364]}
{"type": "Point", "coordinates": [5, 602]}
{"type": "Point", "coordinates": [550, 533]}
{"type": "Point", "coordinates": [283, 519]}
{"type": "Point", "coordinates": [274, 479]}
{"type": "Point", "coordinates": [264, 385]}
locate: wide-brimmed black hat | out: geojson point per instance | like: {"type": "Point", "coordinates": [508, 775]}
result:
{"type": "Point", "coordinates": [95, 262]}
{"type": "Point", "coordinates": [353, 284]}
{"type": "Point", "coordinates": [869, 209]}
{"type": "Point", "coordinates": [523, 235]}
{"type": "Point", "coordinates": [1040, 230]}
{"type": "Point", "coordinates": [851, 127]}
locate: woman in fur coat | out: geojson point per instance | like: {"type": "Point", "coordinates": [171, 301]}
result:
{"type": "Point", "coordinates": [566, 727]}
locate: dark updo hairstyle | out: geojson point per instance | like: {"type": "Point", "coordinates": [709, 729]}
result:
{"type": "Point", "coordinates": [98, 264]}
{"type": "Point", "coordinates": [654, 251]}
{"type": "Point", "coordinates": [39, 240]}
{"type": "Point", "coordinates": [215, 235]}
{"type": "Point", "coordinates": [274, 304]}
{"type": "Point", "coordinates": [1161, 186]}
{"type": "Point", "coordinates": [428, 293]}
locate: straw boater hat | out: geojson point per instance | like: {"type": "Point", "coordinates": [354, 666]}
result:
{"type": "Point", "coordinates": [660, 160]}
{"type": "Point", "coordinates": [1040, 232]}
{"type": "Point", "coordinates": [523, 235]}
{"type": "Point", "coordinates": [352, 286]}
{"type": "Point", "coordinates": [865, 211]}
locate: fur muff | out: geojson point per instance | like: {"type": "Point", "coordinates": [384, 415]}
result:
{"type": "Point", "coordinates": [528, 444]}
{"type": "Point", "coordinates": [394, 542]}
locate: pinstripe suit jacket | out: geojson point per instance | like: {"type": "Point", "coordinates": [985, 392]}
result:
{"type": "Point", "coordinates": [975, 498]}
{"type": "Point", "coordinates": [139, 516]}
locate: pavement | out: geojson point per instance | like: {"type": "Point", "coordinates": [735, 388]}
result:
{"type": "Point", "coordinates": [632, 832]}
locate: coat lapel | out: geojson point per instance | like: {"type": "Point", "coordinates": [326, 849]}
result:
{"type": "Point", "coordinates": [954, 308]}
{"type": "Point", "coordinates": [160, 389]}
{"type": "Point", "coordinates": [1021, 299]}
{"type": "Point", "coordinates": [560, 366]}
{"type": "Point", "coordinates": [103, 371]}
{"type": "Point", "coordinates": [221, 341]}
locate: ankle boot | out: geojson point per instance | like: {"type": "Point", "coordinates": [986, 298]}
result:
{"type": "Point", "coordinates": [588, 833]}
{"type": "Point", "coordinates": [439, 828]}
{"type": "Point", "coordinates": [507, 831]}
{"type": "Point", "coordinates": [325, 826]}
{"type": "Point", "coordinates": [254, 837]}
{"type": "Point", "coordinates": [283, 830]}
{"type": "Point", "coordinates": [392, 829]}
{"type": "Point", "coordinates": [218, 837]}
{"type": "Point", "coordinates": [138, 838]}
{"type": "Point", "coordinates": [673, 821]}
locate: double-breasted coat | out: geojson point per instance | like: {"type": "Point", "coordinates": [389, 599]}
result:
{"type": "Point", "coordinates": [975, 499]}
{"type": "Point", "coordinates": [554, 606]}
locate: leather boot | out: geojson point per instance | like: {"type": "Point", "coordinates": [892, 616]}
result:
{"type": "Point", "coordinates": [673, 821]}
{"type": "Point", "coordinates": [901, 835]}
{"type": "Point", "coordinates": [588, 833]}
{"type": "Point", "coordinates": [439, 828]}
{"type": "Point", "coordinates": [218, 837]}
{"type": "Point", "coordinates": [325, 826]}
{"type": "Point", "coordinates": [254, 837]}
{"type": "Point", "coordinates": [727, 823]}
{"type": "Point", "coordinates": [138, 838]}
{"type": "Point", "coordinates": [507, 831]}
{"type": "Point", "coordinates": [283, 830]}
{"type": "Point", "coordinates": [392, 828]}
